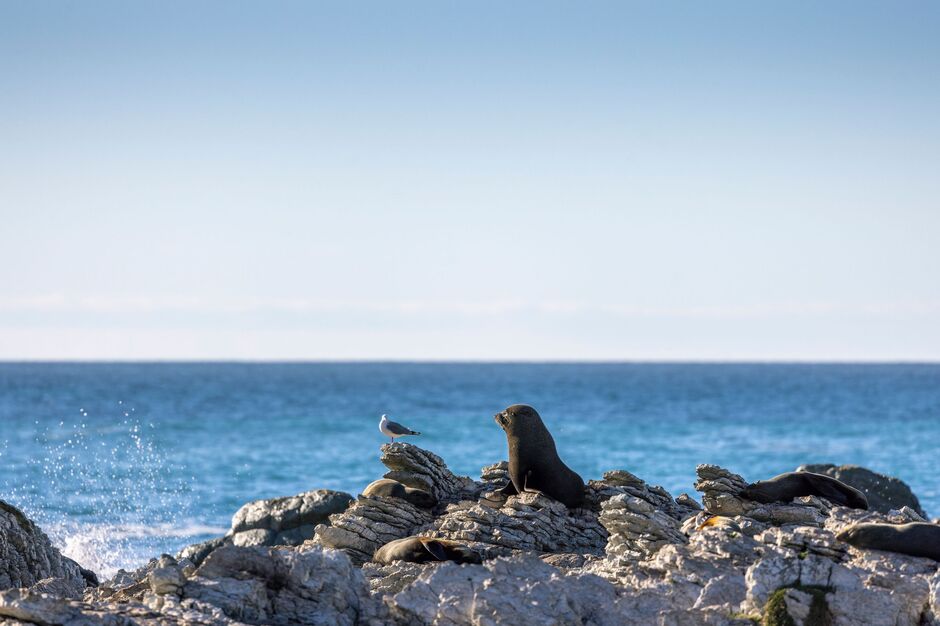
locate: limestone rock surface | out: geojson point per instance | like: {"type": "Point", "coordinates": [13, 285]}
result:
{"type": "Point", "coordinates": [28, 557]}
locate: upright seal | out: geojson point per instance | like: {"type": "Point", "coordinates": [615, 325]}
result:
{"type": "Point", "coordinates": [533, 460]}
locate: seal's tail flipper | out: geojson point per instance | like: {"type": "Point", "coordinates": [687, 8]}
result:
{"type": "Point", "coordinates": [435, 548]}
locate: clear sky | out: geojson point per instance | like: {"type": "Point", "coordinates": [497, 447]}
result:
{"type": "Point", "coordinates": [475, 180]}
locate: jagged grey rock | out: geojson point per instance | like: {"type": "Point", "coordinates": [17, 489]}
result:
{"type": "Point", "coordinates": [631, 555]}
{"type": "Point", "coordinates": [369, 524]}
{"type": "Point", "coordinates": [418, 468]}
{"type": "Point", "coordinates": [721, 496]}
{"type": "Point", "coordinates": [306, 585]}
{"type": "Point", "coordinates": [637, 527]}
{"type": "Point", "coordinates": [28, 557]}
{"type": "Point", "coordinates": [496, 525]}
{"type": "Point", "coordinates": [286, 521]}
{"type": "Point", "coordinates": [373, 521]}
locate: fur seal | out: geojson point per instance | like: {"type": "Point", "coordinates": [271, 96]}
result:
{"type": "Point", "coordinates": [388, 488]}
{"type": "Point", "coordinates": [718, 521]}
{"type": "Point", "coordinates": [533, 460]}
{"type": "Point", "coordinates": [785, 487]}
{"type": "Point", "coordinates": [913, 539]}
{"type": "Point", "coordinates": [425, 549]}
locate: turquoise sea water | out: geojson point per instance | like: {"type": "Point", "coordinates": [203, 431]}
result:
{"type": "Point", "coordinates": [119, 462]}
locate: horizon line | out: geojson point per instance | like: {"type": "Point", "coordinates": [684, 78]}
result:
{"type": "Point", "coordinates": [458, 361]}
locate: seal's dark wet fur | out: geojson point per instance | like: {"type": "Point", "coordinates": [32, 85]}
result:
{"type": "Point", "coordinates": [785, 487]}
{"type": "Point", "coordinates": [533, 460]}
{"type": "Point", "coordinates": [914, 539]}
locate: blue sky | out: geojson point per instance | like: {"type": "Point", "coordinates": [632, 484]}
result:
{"type": "Point", "coordinates": [470, 180]}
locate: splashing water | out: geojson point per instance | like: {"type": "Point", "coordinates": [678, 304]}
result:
{"type": "Point", "coordinates": [124, 490]}
{"type": "Point", "coordinates": [105, 494]}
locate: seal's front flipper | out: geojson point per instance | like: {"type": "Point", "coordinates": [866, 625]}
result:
{"type": "Point", "coordinates": [509, 489]}
{"type": "Point", "coordinates": [528, 489]}
{"type": "Point", "coordinates": [435, 548]}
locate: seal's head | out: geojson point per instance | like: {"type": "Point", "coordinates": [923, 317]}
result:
{"type": "Point", "coordinates": [861, 535]}
{"type": "Point", "coordinates": [516, 416]}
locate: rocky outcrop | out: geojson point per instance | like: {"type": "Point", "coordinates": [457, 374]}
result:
{"type": "Point", "coordinates": [235, 585]}
{"type": "Point", "coordinates": [631, 555]}
{"type": "Point", "coordinates": [287, 521]}
{"type": "Point", "coordinates": [28, 558]}
{"type": "Point", "coordinates": [721, 496]}
{"type": "Point", "coordinates": [884, 493]}
{"type": "Point", "coordinates": [640, 519]}
{"type": "Point", "coordinates": [371, 522]}
{"type": "Point", "coordinates": [497, 525]}
{"type": "Point", "coordinates": [418, 468]}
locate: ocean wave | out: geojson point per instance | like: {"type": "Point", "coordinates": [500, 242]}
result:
{"type": "Point", "coordinates": [107, 548]}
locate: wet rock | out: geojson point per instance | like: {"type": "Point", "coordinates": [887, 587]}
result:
{"type": "Point", "coordinates": [28, 557]}
{"type": "Point", "coordinates": [884, 493]}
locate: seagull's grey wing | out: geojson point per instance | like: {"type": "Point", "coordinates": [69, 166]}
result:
{"type": "Point", "coordinates": [398, 429]}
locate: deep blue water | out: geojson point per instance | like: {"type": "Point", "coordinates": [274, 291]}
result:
{"type": "Point", "coordinates": [119, 462]}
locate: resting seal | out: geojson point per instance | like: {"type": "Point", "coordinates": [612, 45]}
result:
{"type": "Point", "coordinates": [718, 521]}
{"type": "Point", "coordinates": [785, 487]}
{"type": "Point", "coordinates": [423, 550]}
{"type": "Point", "coordinates": [914, 539]}
{"type": "Point", "coordinates": [533, 461]}
{"type": "Point", "coordinates": [388, 488]}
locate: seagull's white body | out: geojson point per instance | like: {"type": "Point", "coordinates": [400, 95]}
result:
{"type": "Point", "coordinates": [394, 429]}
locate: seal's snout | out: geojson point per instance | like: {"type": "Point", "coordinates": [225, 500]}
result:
{"type": "Point", "coordinates": [501, 418]}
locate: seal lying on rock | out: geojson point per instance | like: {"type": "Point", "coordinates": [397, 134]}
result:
{"type": "Point", "coordinates": [719, 521]}
{"type": "Point", "coordinates": [913, 539]}
{"type": "Point", "coordinates": [533, 460]}
{"type": "Point", "coordinates": [425, 549]}
{"type": "Point", "coordinates": [785, 487]}
{"type": "Point", "coordinates": [388, 488]}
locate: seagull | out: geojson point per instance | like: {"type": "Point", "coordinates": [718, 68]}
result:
{"type": "Point", "coordinates": [394, 429]}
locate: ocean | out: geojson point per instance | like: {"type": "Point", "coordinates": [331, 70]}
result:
{"type": "Point", "coordinates": [121, 462]}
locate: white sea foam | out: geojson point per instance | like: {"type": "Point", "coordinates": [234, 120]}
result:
{"type": "Point", "coordinates": [106, 548]}
{"type": "Point", "coordinates": [108, 497]}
